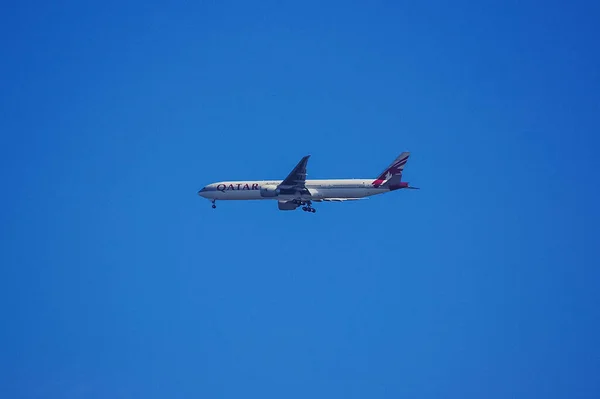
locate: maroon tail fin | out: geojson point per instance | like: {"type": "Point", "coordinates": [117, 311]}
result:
{"type": "Point", "coordinates": [395, 169]}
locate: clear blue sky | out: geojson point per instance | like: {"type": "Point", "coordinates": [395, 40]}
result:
{"type": "Point", "coordinates": [118, 281]}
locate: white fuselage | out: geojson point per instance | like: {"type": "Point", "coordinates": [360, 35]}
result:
{"type": "Point", "coordinates": [319, 189]}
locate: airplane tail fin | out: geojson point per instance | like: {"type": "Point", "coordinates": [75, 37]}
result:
{"type": "Point", "coordinates": [393, 173]}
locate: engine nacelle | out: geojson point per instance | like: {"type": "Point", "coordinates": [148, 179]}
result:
{"type": "Point", "coordinates": [286, 205]}
{"type": "Point", "coordinates": [269, 191]}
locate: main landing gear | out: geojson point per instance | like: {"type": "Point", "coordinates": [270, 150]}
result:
{"type": "Point", "coordinates": [308, 207]}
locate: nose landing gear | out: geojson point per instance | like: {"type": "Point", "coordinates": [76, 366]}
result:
{"type": "Point", "coordinates": [213, 204]}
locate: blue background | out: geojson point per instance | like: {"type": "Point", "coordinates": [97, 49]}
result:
{"type": "Point", "coordinates": [118, 281]}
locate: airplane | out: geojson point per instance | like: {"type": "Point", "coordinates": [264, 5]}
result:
{"type": "Point", "coordinates": [295, 191]}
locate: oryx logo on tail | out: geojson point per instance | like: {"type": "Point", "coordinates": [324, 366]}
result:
{"type": "Point", "coordinates": [395, 169]}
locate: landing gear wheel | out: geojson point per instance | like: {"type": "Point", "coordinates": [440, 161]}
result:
{"type": "Point", "coordinates": [304, 208]}
{"type": "Point", "coordinates": [214, 206]}
{"type": "Point", "coordinates": [313, 210]}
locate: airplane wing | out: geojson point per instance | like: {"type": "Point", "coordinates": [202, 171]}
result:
{"type": "Point", "coordinates": [338, 199]}
{"type": "Point", "coordinates": [296, 180]}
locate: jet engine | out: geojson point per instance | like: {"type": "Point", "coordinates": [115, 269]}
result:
{"type": "Point", "coordinates": [286, 205]}
{"type": "Point", "coordinates": [269, 191]}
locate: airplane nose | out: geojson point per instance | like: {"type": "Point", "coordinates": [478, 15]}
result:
{"type": "Point", "coordinates": [202, 191]}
